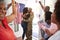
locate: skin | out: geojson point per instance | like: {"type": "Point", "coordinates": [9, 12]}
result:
{"type": "Point", "coordinates": [53, 19]}
{"type": "Point", "coordinates": [2, 11]}
{"type": "Point", "coordinates": [11, 17]}
{"type": "Point", "coordinates": [45, 8]}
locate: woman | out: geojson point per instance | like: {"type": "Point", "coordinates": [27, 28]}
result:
{"type": "Point", "coordinates": [25, 21]}
{"type": "Point", "coordinates": [56, 19]}
{"type": "Point", "coordinates": [6, 32]}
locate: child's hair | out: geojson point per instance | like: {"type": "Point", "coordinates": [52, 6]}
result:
{"type": "Point", "coordinates": [25, 10]}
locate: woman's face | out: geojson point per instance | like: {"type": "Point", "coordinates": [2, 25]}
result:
{"type": "Point", "coordinates": [2, 11]}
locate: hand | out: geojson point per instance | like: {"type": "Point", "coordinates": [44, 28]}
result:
{"type": "Point", "coordinates": [40, 2]}
{"type": "Point", "coordinates": [10, 5]}
{"type": "Point", "coordinates": [48, 32]}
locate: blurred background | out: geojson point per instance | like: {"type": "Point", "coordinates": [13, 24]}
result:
{"type": "Point", "coordinates": [38, 15]}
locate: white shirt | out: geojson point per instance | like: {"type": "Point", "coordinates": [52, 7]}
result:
{"type": "Point", "coordinates": [56, 36]}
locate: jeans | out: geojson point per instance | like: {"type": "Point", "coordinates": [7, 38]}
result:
{"type": "Point", "coordinates": [24, 26]}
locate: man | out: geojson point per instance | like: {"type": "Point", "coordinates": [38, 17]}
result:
{"type": "Point", "coordinates": [47, 23]}
{"type": "Point", "coordinates": [46, 10]}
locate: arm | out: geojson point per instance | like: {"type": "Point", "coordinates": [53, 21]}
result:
{"type": "Point", "coordinates": [11, 17]}
{"type": "Point", "coordinates": [42, 5]}
{"type": "Point", "coordinates": [48, 32]}
{"type": "Point", "coordinates": [52, 27]}
{"type": "Point", "coordinates": [24, 18]}
{"type": "Point", "coordinates": [9, 5]}
{"type": "Point", "coordinates": [42, 26]}
{"type": "Point", "coordinates": [45, 29]}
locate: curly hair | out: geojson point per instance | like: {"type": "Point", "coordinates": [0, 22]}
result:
{"type": "Point", "coordinates": [25, 10]}
{"type": "Point", "coordinates": [57, 11]}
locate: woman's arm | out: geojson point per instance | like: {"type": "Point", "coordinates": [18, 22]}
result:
{"type": "Point", "coordinates": [11, 17]}
{"type": "Point", "coordinates": [48, 32]}
{"type": "Point", "coordinates": [53, 28]}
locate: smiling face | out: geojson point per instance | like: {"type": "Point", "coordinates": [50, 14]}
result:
{"type": "Point", "coordinates": [2, 11]}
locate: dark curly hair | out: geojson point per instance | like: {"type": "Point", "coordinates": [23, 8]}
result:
{"type": "Point", "coordinates": [25, 10]}
{"type": "Point", "coordinates": [57, 10]}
